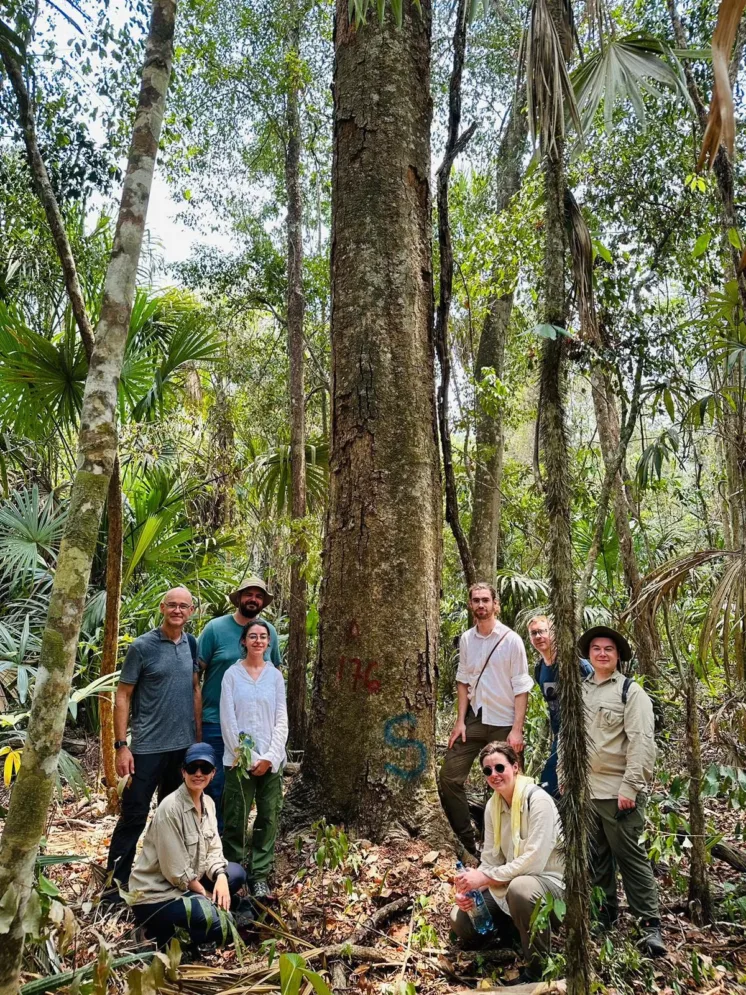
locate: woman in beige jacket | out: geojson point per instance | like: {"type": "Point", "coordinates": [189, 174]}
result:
{"type": "Point", "coordinates": [521, 860]}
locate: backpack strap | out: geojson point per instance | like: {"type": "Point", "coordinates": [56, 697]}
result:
{"type": "Point", "coordinates": [625, 690]}
{"type": "Point", "coordinates": [537, 672]}
{"type": "Point", "coordinates": [530, 792]}
{"type": "Point", "coordinates": [193, 648]}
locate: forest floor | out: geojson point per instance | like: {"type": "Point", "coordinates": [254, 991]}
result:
{"type": "Point", "coordinates": [330, 890]}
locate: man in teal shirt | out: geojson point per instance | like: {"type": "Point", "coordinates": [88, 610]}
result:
{"type": "Point", "coordinates": [218, 649]}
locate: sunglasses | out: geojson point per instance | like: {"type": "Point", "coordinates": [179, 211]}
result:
{"type": "Point", "coordinates": [497, 769]}
{"type": "Point", "coordinates": [199, 767]}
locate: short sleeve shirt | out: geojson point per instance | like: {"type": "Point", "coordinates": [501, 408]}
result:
{"type": "Point", "coordinates": [219, 648]}
{"type": "Point", "coordinates": [162, 710]}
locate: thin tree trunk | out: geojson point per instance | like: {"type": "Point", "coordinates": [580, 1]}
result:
{"type": "Point", "coordinates": [575, 805]}
{"type": "Point", "coordinates": [97, 451]}
{"type": "Point", "coordinates": [375, 682]}
{"type": "Point", "coordinates": [700, 900]}
{"type": "Point", "coordinates": [297, 643]}
{"type": "Point", "coordinates": [49, 201]}
{"type": "Point", "coordinates": [647, 642]}
{"type": "Point", "coordinates": [613, 464]}
{"type": "Point", "coordinates": [111, 630]}
{"type": "Point", "coordinates": [455, 143]}
{"type": "Point", "coordinates": [484, 533]}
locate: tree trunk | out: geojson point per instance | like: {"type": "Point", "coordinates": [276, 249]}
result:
{"type": "Point", "coordinates": [484, 534]}
{"type": "Point", "coordinates": [111, 630]}
{"type": "Point", "coordinates": [647, 641]}
{"type": "Point", "coordinates": [454, 144]}
{"type": "Point", "coordinates": [97, 448]}
{"type": "Point", "coordinates": [297, 643]}
{"type": "Point", "coordinates": [700, 901]}
{"type": "Point", "coordinates": [375, 683]}
{"type": "Point", "coordinates": [575, 803]}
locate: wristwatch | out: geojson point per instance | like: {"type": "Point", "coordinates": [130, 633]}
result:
{"type": "Point", "coordinates": [120, 743]}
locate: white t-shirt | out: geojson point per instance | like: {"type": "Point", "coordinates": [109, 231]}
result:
{"type": "Point", "coordinates": [505, 676]}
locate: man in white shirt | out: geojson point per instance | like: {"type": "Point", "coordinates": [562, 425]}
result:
{"type": "Point", "coordinates": [493, 684]}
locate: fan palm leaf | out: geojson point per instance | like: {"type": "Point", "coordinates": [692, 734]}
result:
{"type": "Point", "coordinates": [30, 532]}
{"type": "Point", "coordinates": [274, 479]}
{"type": "Point", "coordinates": [41, 380]}
{"type": "Point", "coordinates": [625, 70]}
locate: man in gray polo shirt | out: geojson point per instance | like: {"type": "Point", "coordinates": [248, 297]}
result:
{"type": "Point", "coordinates": [159, 686]}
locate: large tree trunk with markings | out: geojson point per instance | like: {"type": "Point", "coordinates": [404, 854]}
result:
{"type": "Point", "coordinates": [369, 755]}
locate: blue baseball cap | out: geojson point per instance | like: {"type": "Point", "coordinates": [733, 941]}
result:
{"type": "Point", "coordinates": [200, 751]}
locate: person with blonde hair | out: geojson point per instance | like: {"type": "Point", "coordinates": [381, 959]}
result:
{"type": "Point", "coordinates": [546, 676]}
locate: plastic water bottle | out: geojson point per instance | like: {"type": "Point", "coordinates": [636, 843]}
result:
{"type": "Point", "coordinates": [480, 914]}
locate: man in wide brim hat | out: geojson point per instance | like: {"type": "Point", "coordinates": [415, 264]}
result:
{"type": "Point", "coordinates": [619, 727]}
{"type": "Point", "coordinates": [252, 581]}
{"type": "Point", "coordinates": [604, 631]}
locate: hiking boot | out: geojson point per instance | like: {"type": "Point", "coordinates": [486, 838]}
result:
{"type": "Point", "coordinates": [111, 900]}
{"type": "Point", "coordinates": [606, 920]}
{"type": "Point", "coordinates": [243, 912]}
{"type": "Point", "coordinates": [262, 892]}
{"type": "Point", "coordinates": [651, 941]}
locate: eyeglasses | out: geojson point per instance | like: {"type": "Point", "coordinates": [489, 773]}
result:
{"type": "Point", "coordinates": [173, 605]}
{"type": "Point", "coordinates": [497, 769]}
{"type": "Point", "coordinates": [538, 632]}
{"type": "Point", "coordinates": [199, 767]}
{"type": "Point", "coordinates": [257, 637]}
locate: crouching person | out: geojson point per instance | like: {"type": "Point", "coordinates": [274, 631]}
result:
{"type": "Point", "coordinates": [182, 857]}
{"type": "Point", "coordinates": [521, 861]}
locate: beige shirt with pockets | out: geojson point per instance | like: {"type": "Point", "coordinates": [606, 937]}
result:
{"type": "Point", "coordinates": [621, 738]}
{"type": "Point", "coordinates": [179, 846]}
{"type": "Point", "coordinates": [540, 833]}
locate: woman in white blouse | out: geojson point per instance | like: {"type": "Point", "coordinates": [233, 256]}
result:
{"type": "Point", "coordinates": [253, 703]}
{"type": "Point", "coordinates": [521, 860]}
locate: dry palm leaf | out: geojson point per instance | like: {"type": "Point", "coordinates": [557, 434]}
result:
{"type": "Point", "coordinates": [548, 86]}
{"type": "Point", "coordinates": [721, 122]}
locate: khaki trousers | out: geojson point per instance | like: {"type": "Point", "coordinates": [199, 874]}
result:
{"type": "Point", "coordinates": [455, 770]}
{"type": "Point", "coordinates": [614, 843]}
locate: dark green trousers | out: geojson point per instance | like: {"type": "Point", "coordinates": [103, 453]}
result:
{"type": "Point", "coordinates": [256, 851]}
{"type": "Point", "coordinates": [615, 843]}
{"type": "Point", "coordinates": [455, 770]}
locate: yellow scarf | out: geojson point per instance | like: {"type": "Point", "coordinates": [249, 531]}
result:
{"type": "Point", "coordinates": [522, 783]}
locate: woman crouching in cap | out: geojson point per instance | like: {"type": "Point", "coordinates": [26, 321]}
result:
{"type": "Point", "coordinates": [181, 857]}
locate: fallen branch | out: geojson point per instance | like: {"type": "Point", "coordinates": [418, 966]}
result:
{"type": "Point", "coordinates": [731, 855]}
{"type": "Point", "coordinates": [379, 917]}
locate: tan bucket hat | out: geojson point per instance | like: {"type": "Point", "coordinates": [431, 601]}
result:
{"type": "Point", "coordinates": [252, 581]}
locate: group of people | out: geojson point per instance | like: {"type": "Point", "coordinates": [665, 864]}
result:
{"type": "Point", "coordinates": [208, 726]}
{"type": "Point", "coordinates": [211, 749]}
{"type": "Point", "coordinates": [521, 858]}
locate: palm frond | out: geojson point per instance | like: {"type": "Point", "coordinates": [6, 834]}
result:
{"type": "Point", "coordinates": [549, 91]}
{"type": "Point", "coordinates": [273, 476]}
{"type": "Point", "coordinates": [721, 121]}
{"type": "Point", "coordinates": [624, 70]}
{"type": "Point", "coordinates": [30, 532]}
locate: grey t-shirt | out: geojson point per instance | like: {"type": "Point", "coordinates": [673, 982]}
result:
{"type": "Point", "coordinates": [162, 711]}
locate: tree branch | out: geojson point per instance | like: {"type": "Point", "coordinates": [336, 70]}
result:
{"type": "Point", "coordinates": [49, 202]}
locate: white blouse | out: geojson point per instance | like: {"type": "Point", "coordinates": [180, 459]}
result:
{"type": "Point", "coordinates": [258, 708]}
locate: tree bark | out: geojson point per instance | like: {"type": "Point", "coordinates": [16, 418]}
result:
{"type": "Point", "coordinates": [110, 646]}
{"type": "Point", "coordinates": [454, 144]}
{"type": "Point", "coordinates": [700, 899]}
{"type": "Point", "coordinates": [557, 496]}
{"type": "Point", "coordinates": [375, 683]}
{"type": "Point", "coordinates": [97, 448]}
{"type": "Point", "coordinates": [48, 199]}
{"type": "Point", "coordinates": [484, 533]}
{"type": "Point", "coordinates": [297, 643]}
